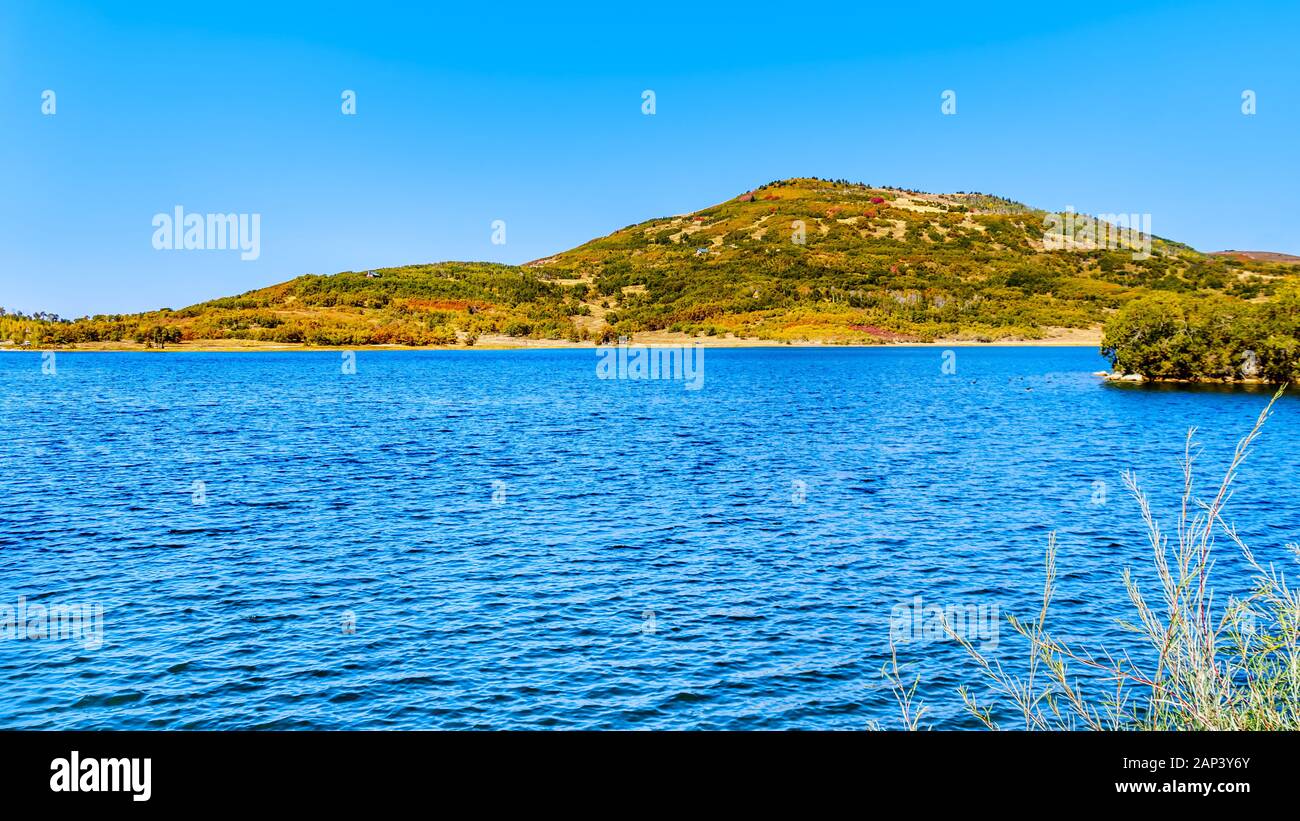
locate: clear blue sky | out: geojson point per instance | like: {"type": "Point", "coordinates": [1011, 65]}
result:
{"type": "Point", "coordinates": [532, 114]}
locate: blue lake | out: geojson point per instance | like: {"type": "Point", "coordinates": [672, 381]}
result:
{"type": "Point", "coordinates": [478, 539]}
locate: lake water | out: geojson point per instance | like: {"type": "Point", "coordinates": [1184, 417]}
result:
{"type": "Point", "coordinates": [482, 539]}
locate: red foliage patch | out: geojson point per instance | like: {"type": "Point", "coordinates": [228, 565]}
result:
{"type": "Point", "coordinates": [443, 304]}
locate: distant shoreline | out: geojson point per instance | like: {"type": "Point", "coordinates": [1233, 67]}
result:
{"type": "Point", "coordinates": [1061, 338]}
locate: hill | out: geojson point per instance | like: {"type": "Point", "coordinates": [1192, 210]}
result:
{"type": "Point", "coordinates": [799, 260]}
{"type": "Point", "coordinates": [1263, 256]}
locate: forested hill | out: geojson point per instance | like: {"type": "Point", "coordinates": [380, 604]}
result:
{"type": "Point", "coordinates": [794, 260]}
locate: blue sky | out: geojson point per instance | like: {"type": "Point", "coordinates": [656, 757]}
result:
{"type": "Point", "coordinates": [531, 114]}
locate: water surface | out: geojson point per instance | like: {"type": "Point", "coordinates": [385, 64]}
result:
{"type": "Point", "coordinates": [523, 545]}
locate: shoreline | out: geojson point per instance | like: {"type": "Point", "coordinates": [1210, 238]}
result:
{"type": "Point", "coordinates": [1139, 379]}
{"type": "Point", "coordinates": [1065, 338]}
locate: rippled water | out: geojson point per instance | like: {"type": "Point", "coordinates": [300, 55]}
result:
{"type": "Point", "coordinates": [524, 545]}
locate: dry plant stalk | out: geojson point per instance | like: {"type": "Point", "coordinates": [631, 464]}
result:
{"type": "Point", "coordinates": [1239, 672]}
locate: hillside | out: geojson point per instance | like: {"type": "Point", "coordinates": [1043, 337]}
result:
{"type": "Point", "coordinates": [1262, 256]}
{"type": "Point", "coordinates": [791, 261]}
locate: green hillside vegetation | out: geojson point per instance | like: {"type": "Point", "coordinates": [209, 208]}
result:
{"type": "Point", "coordinates": [875, 264]}
{"type": "Point", "coordinates": [870, 264]}
{"type": "Point", "coordinates": [413, 305]}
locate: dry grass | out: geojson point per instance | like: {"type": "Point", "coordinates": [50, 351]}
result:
{"type": "Point", "coordinates": [1237, 670]}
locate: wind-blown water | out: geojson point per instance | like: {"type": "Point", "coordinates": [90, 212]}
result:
{"type": "Point", "coordinates": [523, 545]}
